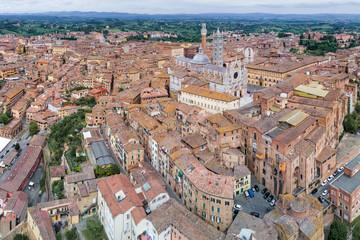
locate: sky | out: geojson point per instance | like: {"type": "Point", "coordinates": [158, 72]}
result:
{"type": "Point", "coordinates": [183, 6]}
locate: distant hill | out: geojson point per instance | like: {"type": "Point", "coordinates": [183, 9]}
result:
{"type": "Point", "coordinates": [203, 16]}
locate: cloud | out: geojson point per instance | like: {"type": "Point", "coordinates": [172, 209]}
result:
{"type": "Point", "coordinates": [182, 6]}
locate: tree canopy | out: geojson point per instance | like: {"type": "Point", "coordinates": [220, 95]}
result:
{"type": "Point", "coordinates": [33, 128]}
{"type": "Point", "coordinates": [94, 225]}
{"type": "Point", "coordinates": [338, 231]}
{"type": "Point", "coordinates": [350, 123]}
{"type": "Point", "coordinates": [107, 171]}
{"type": "Point", "coordinates": [21, 237]}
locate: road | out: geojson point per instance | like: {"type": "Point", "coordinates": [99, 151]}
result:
{"type": "Point", "coordinates": [257, 203]}
{"type": "Point", "coordinates": [171, 193]}
{"type": "Point", "coordinates": [111, 151]}
{"type": "Point", "coordinates": [33, 192]}
{"type": "Point", "coordinates": [321, 189]}
{"type": "Point", "coordinates": [23, 144]}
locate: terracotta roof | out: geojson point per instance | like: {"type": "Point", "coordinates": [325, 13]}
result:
{"type": "Point", "coordinates": [21, 171]}
{"type": "Point", "coordinates": [191, 226]}
{"type": "Point", "coordinates": [17, 203]}
{"type": "Point", "coordinates": [209, 94]}
{"type": "Point", "coordinates": [43, 222]}
{"type": "Point", "coordinates": [114, 184]}
{"type": "Point", "coordinates": [57, 171]}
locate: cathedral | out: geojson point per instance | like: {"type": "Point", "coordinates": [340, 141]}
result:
{"type": "Point", "coordinates": [227, 78]}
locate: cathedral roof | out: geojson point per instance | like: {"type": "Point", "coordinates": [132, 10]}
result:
{"type": "Point", "coordinates": [200, 58]}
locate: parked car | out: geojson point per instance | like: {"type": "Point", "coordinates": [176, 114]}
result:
{"type": "Point", "coordinates": [7, 151]}
{"type": "Point", "coordinates": [314, 191]}
{"type": "Point", "coordinates": [330, 178]}
{"type": "Point", "coordinates": [247, 195]}
{"type": "Point", "coordinates": [257, 188]}
{"type": "Point", "coordinates": [342, 169]}
{"type": "Point", "coordinates": [266, 195]}
{"type": "Point", "coordinates": [324, 193]}
{"type": "Point", "coordinates": [237, 207]}
{"type": "Point", "coordinates": [264, 191]}
{"type": "Point", "coordinates": [324, 183]}
{"type": "Point", "coordinates": [2, 156]}
{"type": "Point", "coordinates": [270, 198]}
{"type": "Point", "coordinates": [272, 203]}
{"type": "Point", "coordinates": [321, 199]}
{"type": "Point", "coordinates": [253, 189]}
{"type": "Point", "coordinates": [256, 214]}
{"type": "Point", "coordinates": [13, 146]}
{"type": "Point", "coordinates": [251, 193]}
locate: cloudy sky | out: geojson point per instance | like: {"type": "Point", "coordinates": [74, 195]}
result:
{"type": "Point", "coordinates": [182, 6]}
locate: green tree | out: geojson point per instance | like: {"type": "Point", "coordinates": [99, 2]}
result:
{"type": "Point", "coordinates": [17, 146]}
{"type": "Point", "coordinates": [356, 232]}
{"type": "Point", "coordinates": [33, 128]}
{"type": "Point", "coordinates": [357, 108]}
{"type": "Point", "coordinates": [4, 118]}
{"type": "Point", "coordinates": [58, 236]}
{"type": "Point", "coordinates": [94, 225]}
{"type": "Point", "coordinates": [21, 237]}
{"type": "Point", "coordinates": [338, 231]}
{"type": "Point", "coordinates": [72, 234]}
{"type": "Point", "coordinates": [350, 123]}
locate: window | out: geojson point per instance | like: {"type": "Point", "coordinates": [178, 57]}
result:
{"type": "Point", "coordinates": [346, 198]}
{"type": "Point", "coordinates": [218, 201]}
{"type": "Point", "coordinates": [204, 214]}
{"type": "Point", "coordinates": [227, 203]}
{"type": "Point", "coordinates": [218, 210]}
{"type": "Point", "coordinates": [218, 219]}
{"type": "Point", "coordinates": [212, 199]}
{"type": "Point", "coordinates": [212, 218]}
{"type": "Point", "coordinates": [340, 195]}
{"type": "Point", "coordinates": [212, 208]}
{"type": "Point", "coordinates": [203, 205]}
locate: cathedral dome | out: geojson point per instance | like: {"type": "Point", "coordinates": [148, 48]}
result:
{"type": "Point", "coordinates": [200, 58]}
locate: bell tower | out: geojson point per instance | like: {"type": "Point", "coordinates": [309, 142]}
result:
{"type": "Point", "coordinates": [203, 36]}
{"type": "Point", "coordinates": [218, 43]}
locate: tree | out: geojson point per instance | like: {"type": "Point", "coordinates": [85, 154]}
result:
{"type": "Point", "coordinates": [357, 108]}
{"type": "Point", "coordinates": [21, 237]}
{"type": "Point", "coordinates": [94, 225]}
{"type": "Point", "coordinates": [17, 146]}
{"type": "Point", "coordinates": [356, 232]}
{"type": "Point", "coordinates": [71, 234]}
{"type": "Point", "coordinates": [350, 123]}
{"type": "Point", "coordinates": [33, 128]}
{"type": "Point", "coordinates": [338, 230]}
{"type": "Point", "coordinates": [4, 119]}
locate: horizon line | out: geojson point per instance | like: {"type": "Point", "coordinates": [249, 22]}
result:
{"type": "Point", "coordinates": [169, 14]}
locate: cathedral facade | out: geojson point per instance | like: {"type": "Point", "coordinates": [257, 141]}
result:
{"type": "Point", "coordinates": [230, 78]}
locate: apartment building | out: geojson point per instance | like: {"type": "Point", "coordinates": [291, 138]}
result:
{"type": "Point", "coordinates": [173, 221]}
{"type": "Point", "coordinates": [345, 191]}
{"type": "Point", "coordinates": [12, 96]}
{"type": "Point", "coordinates": [270, 72]}
{"type": "Point", "coordinates": [210, 101]}
{"type": "Point", "coordinates": [122, 206]}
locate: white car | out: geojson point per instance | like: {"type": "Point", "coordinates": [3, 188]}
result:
{"type": "Point", "coordinates": [330, 178]}
{"type": "Point", "coordinates": [272, 203]}
{"type": "Point", "coordinates": [325, 193]}
{"type": "Point", "coordinates": [324, 183]}
{"type": "Point", "coordinates": [238, 207]}
{"type": "Point", "coordinates": [342, 168]}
